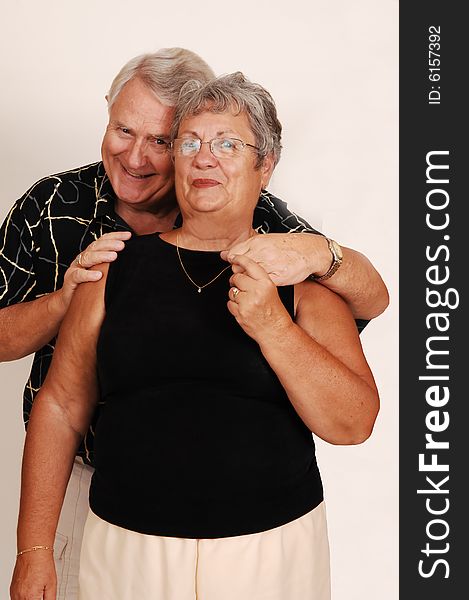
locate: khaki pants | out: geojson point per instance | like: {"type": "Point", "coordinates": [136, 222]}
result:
{"type": "Point", "coordinates": [290, 562]}
{"type": "Point", "coordinates": [67, 545]}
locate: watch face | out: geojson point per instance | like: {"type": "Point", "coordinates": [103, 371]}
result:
{"type": "Point", "coordinates": [336, 250]}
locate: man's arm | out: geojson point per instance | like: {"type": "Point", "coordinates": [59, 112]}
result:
{"type": "Point", "coordinates": [27, 325]}
{"type": "Point", "coordinates": [357, 282]}
{"type": "Point", "coordinates": [290, 257]}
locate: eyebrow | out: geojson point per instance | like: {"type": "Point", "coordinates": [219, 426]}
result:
{"type": "Point", "coordinates": [131, 129]}
{"type": "Point", "coordinates": [218, 134]}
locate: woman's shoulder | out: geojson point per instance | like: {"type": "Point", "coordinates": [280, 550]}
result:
{"type": "Point", "coordinates": [142, 243]}
{"type": "Point", "coordinates": [138, 247]}
{"type": "Point", "coordinates": [312, 292]}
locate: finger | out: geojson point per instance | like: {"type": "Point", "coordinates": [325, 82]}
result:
{"type": "Point", "coordinates": [106, 244]}
{"type": "Point", "coordinates": [92, 258]}
{"type": "Point", "coordinates": [113, 241]}
{"type": "Point", "coordinates": [84, 275]}
{"type": "Point", "coordinates": [233, 293]}
{"type": "Point", "coordinates": [237, 268]}
{"type": "Point", "coordinates": [116, 235]}
{"type": "Point", "coordinates": [233, 308]}
{"type": "Point", "coordinates": [276, 278]}
{"type": "Point", "coordinates": [243, 282]}
{"type": "Point", "coordinates": [240, 248]}
{"type": "Point", "coordinates": [251, 268]}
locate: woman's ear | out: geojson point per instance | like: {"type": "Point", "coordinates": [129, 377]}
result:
{"type": "Point", "coordinates": [267, 168]}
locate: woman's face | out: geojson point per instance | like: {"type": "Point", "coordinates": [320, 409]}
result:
{"type": "Point", "coordinates": [205, 183]}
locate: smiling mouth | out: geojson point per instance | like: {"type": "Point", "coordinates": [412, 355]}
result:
{"type": "Point", "coordinates": [137, 175]}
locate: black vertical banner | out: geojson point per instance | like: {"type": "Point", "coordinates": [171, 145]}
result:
{"type": "Point", "coordinates": [434, 356]}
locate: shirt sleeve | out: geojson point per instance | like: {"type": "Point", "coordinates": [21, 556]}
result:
{"type": "Point", "coordinates": [17, 273]}
{"type": "Point", "coordinates": [273, 216]}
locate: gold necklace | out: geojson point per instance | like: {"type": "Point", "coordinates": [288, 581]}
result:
{"type": "Point", "coordinates": [199, 287]}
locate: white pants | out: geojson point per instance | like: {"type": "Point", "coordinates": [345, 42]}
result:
{"type": "Point", "coordinates": [69, 534]}
{"type": "Point", "coordinates": [290, 562]}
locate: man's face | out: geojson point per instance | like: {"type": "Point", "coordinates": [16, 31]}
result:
{"type": "Point", "coordinates": [134, 148]}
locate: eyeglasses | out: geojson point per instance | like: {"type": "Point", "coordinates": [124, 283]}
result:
{"type": "Point", "coordinates": [219, 147]}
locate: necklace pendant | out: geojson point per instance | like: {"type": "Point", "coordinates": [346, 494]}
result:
{"type": "Point", "coordinates": [199, 287]}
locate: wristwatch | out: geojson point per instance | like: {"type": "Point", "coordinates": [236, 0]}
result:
{"type": "Point", "coordinates": [337, 258]}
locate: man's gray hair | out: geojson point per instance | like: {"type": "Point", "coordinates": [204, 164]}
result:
{"type": "Point", "coordinates": [235, 93]}
{"type": "Point", "coordinates": [164, 72]}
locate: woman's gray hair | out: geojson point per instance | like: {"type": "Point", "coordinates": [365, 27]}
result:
{"type": "Point", "coordinates": [164, 72]}
{"type": "Point", "coordinates": [234, 92]}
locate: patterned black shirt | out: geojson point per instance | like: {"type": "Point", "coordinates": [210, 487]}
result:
{"type": "Point", "coordinates": [58, 217]}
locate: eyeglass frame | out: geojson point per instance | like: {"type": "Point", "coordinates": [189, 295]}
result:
{"type": "Point", "coordinates": [210, 142]}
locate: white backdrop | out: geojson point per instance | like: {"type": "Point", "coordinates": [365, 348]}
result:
{"type": "Point", "coordinates": [331, 66]}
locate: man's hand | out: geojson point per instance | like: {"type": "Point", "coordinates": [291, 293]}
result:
{"type": "Point", "coordinates": [34, 577]}
{"type": "Point", "coordinates": [103, 250]}
{"type": "Point", "coordinates": [27, 326]}
{"type": "Point", "coordinates": [254, 301]}
{"type": "Point", "coordinates": [288, 258]}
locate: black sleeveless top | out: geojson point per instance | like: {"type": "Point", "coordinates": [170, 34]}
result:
{"type": "Point", "coordinates": [195, 436]}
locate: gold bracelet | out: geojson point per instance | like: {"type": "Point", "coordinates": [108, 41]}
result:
{"type": "Point", "coordinates": [34, 548]}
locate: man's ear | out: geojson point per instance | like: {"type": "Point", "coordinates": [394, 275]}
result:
{"type": "Point", "coordinates": [267, 168]}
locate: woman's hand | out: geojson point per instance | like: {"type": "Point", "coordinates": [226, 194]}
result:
{"type": "Point", "coordinates": [254, 300]}
{"type": "Point", "coordinates": [34, 577]}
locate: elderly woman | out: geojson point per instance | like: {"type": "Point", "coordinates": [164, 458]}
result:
{"type": "Point", "coordinates": [214, 395]}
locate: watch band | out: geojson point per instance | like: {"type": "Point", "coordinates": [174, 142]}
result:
{"type": "Point", "coordinates": [337, 259]}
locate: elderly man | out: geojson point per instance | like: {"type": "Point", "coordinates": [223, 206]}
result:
{"type": "Point", "coordinates": [91, 211]}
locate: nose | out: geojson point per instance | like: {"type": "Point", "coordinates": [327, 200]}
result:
{"type": "Point", "coordinates": [137, 154]}
{"type": "Point", "coordinates": [204, 159]}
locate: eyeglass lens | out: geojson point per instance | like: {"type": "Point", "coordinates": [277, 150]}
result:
{"type": "Point", "coordinates": [220, 147]}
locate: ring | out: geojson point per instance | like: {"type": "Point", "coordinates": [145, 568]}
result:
{"type": "Point", "coordinates": [235, 292]}
{"type": "Point", "coordinates": [78, 259]}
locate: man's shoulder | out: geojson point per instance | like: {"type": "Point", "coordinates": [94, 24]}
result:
{"type": "Point", "coordinates": [272, 215]}
{"type": "Point", "coordinates": [80, 176]}
{"type": "Point", "coordinates": [68, 191]}
{"type": "Point", "coordinates": [82, 173]}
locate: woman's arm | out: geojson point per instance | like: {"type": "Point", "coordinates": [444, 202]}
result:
{"type": "Point", "coordinates": [59, 419]}
{"type": "Point", "coordinates": [318, 358]}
